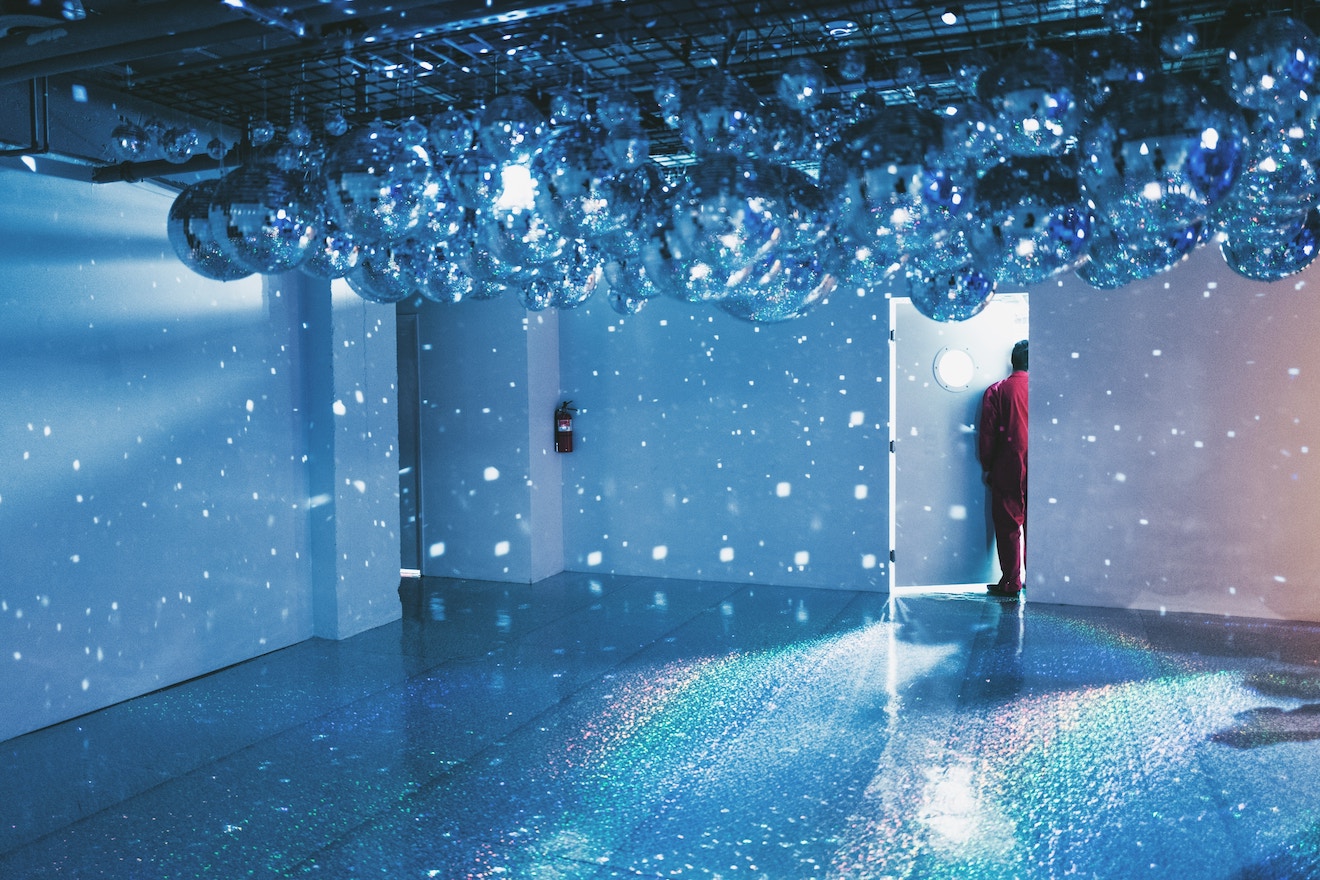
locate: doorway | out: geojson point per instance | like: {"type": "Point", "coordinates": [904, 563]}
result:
{"type": "Point", "coordinates": [940, 535]}
{"type": "Point", "coordinates": [410, 460]}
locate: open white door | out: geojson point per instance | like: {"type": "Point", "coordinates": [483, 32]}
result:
{"type": "Point", "coordinates": [940, 532]}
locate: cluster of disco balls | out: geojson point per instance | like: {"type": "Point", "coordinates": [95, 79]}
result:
{"type": "Point", "coordinates": [1105, 166]}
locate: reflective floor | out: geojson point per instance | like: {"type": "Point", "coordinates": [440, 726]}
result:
{"type": "Point", "coordinates": [597, 727]}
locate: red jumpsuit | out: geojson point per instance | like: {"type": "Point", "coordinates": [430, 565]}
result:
{"type": "Point", "coordinates": [1002, 447]}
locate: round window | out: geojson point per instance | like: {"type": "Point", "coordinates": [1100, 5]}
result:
{"type": "Point", "coordinates": [954, 369]}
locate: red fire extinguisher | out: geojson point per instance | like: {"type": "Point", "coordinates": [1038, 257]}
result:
{"type": "Point", "coordinates": [564, 426]}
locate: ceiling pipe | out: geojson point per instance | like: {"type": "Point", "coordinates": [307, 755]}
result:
{"type": "Point", "coordinates": [120, 38]}
{"type": "Point", "coordinates": [38, 121]}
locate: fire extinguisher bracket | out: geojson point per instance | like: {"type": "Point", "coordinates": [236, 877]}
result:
{"type": "Point", "coordinates": [564, 426]}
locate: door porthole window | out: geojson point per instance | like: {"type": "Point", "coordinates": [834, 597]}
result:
{"type": "Point", "coordinates": [954, 369]}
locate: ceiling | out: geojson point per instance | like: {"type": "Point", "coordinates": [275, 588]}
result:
{"type": "Point", "coordinates": [225, 63]}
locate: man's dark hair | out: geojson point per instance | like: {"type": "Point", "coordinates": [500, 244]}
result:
{"type": "Point", "coordinates": [1019, 356]}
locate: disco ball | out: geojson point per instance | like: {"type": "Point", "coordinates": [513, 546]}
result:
{"type": "Point", "coordinates": [178, 145]}
{"type": "Point", "coordinates": [782, 287]}
{"type": "Point", "coordinates": [1272, 64]}
{"type": "Point", "coordinates": [581, 189]}
{"type": "Point", "coordinates": [579, 275]}
{"type": "Point", "coordinates": [448, 277]}
{"type": "Point", "coordinates": [733, 213]}
{"type": "Point", "coordinates": [300, 133]}
{"type": "Point", "coordinates": [388, 272]}
{"type": "Point", "coordinates": [1180, 40]}
{"type": "Point", "coordinates": [1031, 221]}
{"type": "Point", "coordinates": [1289, 251]}
{"type": "Point", "coordinates": [333, 252]}
{"type": "Point", "coordinates": [129, 141]}
{"type": "Point", "coordinates": [535, 295]}
{"type": "Point", "coordinates": [264, 218]}
{"type": "Point", "coordinates": [1277, 184]}
{"type": "Point", "coordinates": [627, 146]}
{"type": "Point", "coordinates": [1035, 102]}
{"type": "Point", "coordinates": [567, 105]}
{"type": "Point", "coordinates": [898, 193]}
{"type": "Point", "coordinates": [334, 123]}
{"type": "Point", "coordinates": [1158, 156]}
{"type": "Point", "coordinates": [261, 132]}
{"type": "Point", "coordinates": [616, 107]}
{"type": "Point", "coordinates": [190, 234]}
{"type": "Point", "coordinates": [474, 178]}
{"type": "Point", "coordinates": [723, 116]}
{"type": "Point", "coordinates": [376, 186]}
{"type": "Point", "coordinates": [511, 129]}
{"type": "Point", "coordinates": [1117, 258]}
{"type": "Point", "coordinates": [668, 96]}
{"type": "Point", "coordinates": [216, 149]}
{"type": "Point", "coordinates": [950, 296]}
{"type": "Point", "coordinates": [801, 84]}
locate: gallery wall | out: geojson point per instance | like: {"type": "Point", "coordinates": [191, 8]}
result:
{"type": "Point", "coordinates": [154, 456]}
{"type": "Point", "coordinates": [712, 448]}
{"type": "Point", "coordinates": [1176, 443]}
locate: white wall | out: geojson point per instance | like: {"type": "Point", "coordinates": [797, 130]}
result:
{"type": "Point", "coordinates": [711, 448]}
{"type": "Point", "coordinates": [1175, 460]}
{"type": "Point", "coordinates": [154, 485]}
{"type": "Point", "coordinates": [489, 484]}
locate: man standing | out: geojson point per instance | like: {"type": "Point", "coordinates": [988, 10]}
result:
{"type": "Point", "coordinates": [1002, 448]}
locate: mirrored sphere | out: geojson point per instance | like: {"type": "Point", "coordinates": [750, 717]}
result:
{"type": "Point", "coordinates": [178, 145]}
{"type": "Point", "coordinates": [580, 273]}
{"type": "Point", "coordinates": [376, 186]}
{"type": "Point", "coordinates": [1034, 101]}
{"type": "Point", "coordinates": [897, 193]}
{"type": "Point", "coordinates": [1272, 64]}
{"type": "Point", "coordinates": [216, 149]}
{"type": "Point", "coordinates": [956, 295]}
{"type": "Point", "coordinates": [388, 272]}
{"type": "Point", "coordinates": [852, 64]}
{"type": "Point", "coordinates": [1264, 259]}
{"type": "Point", "coordinates": [1277, 185]}
{"type": "Point", "coordinates": [334, 123]}
{"type": "Point", "coordinates": [264, 218]}
{"type": "Point", "coordinates": [801, 84]}
{"type": "Point", "coordinates": [536, 295]}
{"type": "Point", "coordinates": [511, 129]}
{"type": "Point", "coordinates": [300, 133]}
{"type": "Point", "coordinates": [1031, 221]}
{"type": "Point", "coordinates": [261, 132]}
{"type": "Point", "coordinates": [190, 234]}
{"type": "Point", "coordinates": [722, 116]}
{"type": "Point", "coordinates": [668, 96]}
{"type": "Point", "coordinates": [129, 141]}
{"type": "Point", "coordinates": [1180, 40]}
{"type": "Point", "coordinates": [782, 287]}
{"type": "Point", "coordinates": [567, 105]}
{"type": "Point", "coordinates": [1158, 156]}
{"type": "Point", "coordinates": [733, 214]}
{"type": "Point", "coordinates": [333, 252]}
{"type": "Point", "coordinates": [451, 132]}
{"type": "Point", "coordinates": [617, 106]}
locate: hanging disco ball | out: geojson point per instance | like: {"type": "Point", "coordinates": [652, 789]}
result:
{"type": "Point", "coordinates": [1272, 64]}
{"type": "Point", "coordinates": [801, 84]}
{"type": "Point", "coordinates": [668, 96]}
{"type": "Point", "coordinates": [898, 192]}
{"type": "Point", "coordinates": [130, 141]}
{"type": "Point", "coordinates": [178, 145]}
{"type": "Point", "coordinates": [191, 236]}
{"type": "Point", "coordinates": [1031, 222]}
{"type": "Point", "coordinates": [582, 190]}
{"type": "Point", "coordinates": [1035, 101]}
{"type": "Point", "coordinates": [1277, 185]}
{"type": "Point", "coordinates": [616, 107]}
{"type": "Point", "coordinates": [535, 295]}
{"type": "Point", "coordinates": [950, 296]}
{"type": "Point", "coordinates": [389, 272]}
{"type": "Point", "coordinates": [782, 287]}
{"type": "Point", "coordinates": [1119, 257]}
{"type": "Point", "coordinates": [1158, 156]}
{"type": "Point", "coordinates": [723, 116]}
{"type": "Point", "coordinates": [511, 129]}
{"type": "Point", "coordinates": [1290, 251]}
{"type": "Point", "coordinates": [264, 218]}
{"type": "Point", "coordinates": [733, 213]}
{"type": "Point", "coordinates": [333, 252]}
{"type": "Point", "coordinates": [375, 185]}
{"type": "Point", "coordinates": [579, 275]}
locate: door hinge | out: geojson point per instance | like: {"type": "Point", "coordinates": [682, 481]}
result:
{"type": "Point", "coordinates": [891, 446]}
{"type": "Point", "coordinates": [891, 556]}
